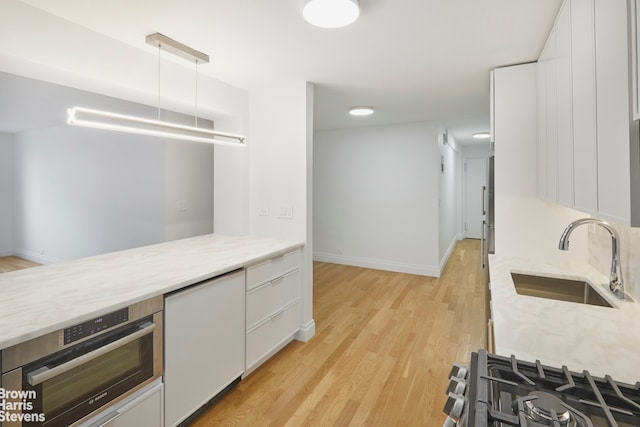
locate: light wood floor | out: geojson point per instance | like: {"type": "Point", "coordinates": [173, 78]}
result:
{"type": "Point", "coordinates": [383, 348]}
{"type": "Point", "coordinates": [11, 263]}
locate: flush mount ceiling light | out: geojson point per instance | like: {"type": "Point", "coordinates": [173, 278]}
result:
{"type": "Point", "coordinates": [361, 111]}
{"type": "Point", "coordinates": [331, 13]}
{"type": "Point", "coordinates": [481, 135]}
{"type": "Point", "coordinates": [88, 117]}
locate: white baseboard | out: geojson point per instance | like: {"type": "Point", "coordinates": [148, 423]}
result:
{"type": "Point", "coordinates": [307, 331]}
{"type": "Point", "coordinates": [35, 257]}
{"type": "Point", "coordinates": [447, 254]}
{"type": "Point", "coordinates": [421, 270]}
{"type": "Point", "coordinates": [6, 252]}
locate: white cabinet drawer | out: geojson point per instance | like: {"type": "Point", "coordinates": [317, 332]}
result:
{"type": "Point", "coordinates": [267, 299]}
{"type": "Point", "coordinates": [267, 337]}
{"type": "Point", "coordinates": [271, 269]}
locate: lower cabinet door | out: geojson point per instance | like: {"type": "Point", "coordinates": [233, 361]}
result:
{"type": "Point", "coordinates": [204, 346]}
{"type": "Point", "coordinates": [270, 335]}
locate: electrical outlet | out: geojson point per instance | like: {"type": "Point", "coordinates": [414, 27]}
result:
{"type": "Point", "coordinates": [339, 251]}
{"type": "Point", "coordinates": [181, 205]}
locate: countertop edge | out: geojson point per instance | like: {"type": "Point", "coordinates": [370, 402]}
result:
{"type": "Point", "coordinates": [277, 248]}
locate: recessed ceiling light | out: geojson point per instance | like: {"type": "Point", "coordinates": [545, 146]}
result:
{"type": "Point", "coordinates": [331, 13]}
{"type": "Point", "coordinates": [361, 111]}
{"type": "Point", "coordinates": [481, 135]}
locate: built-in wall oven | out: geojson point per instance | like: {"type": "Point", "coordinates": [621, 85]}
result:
{"type": "Point", "coordinates": [67, 376]}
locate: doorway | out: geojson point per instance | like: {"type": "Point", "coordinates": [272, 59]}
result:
{"type": "Point", "coordinates": [475, 181]}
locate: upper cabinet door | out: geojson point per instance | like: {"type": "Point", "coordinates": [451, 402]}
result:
{"type": "Point", "coordinates": [585, 148]}
{"type": "Point", "coordinates": [551, 114]}
{"type": "Point", "coordinates": [563, 105]}
{"type": "Point", "coordinates": [634, 10]}
{"type": "Point", "coordinates": [541, 146]}
{"type": "Point", "coordinates": [588, 133]}
{"type": "Point", "coordinates": [612, 109]}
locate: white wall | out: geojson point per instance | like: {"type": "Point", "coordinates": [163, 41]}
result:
{"type": "Point", "coordinates": [448, 193]}
{"type": "Point", "coordinates": [376, 197]}
{"type": "Point", "coordinates": [525, 225]}
{"type": "Point", "coordinates": [476, 151]}
{"type": "Point", "coordinates": [189, 189]}
{"type": "Point", "coordinates": [231, 187]}
{"type": "Point", "coordinates": [81, 192]}
{"type": "Point", "coordinates": [280, 158]}
{"type": "Point", "coordinates": [6, 194]}
{"type": "Point", "coordinates": [189, 195]}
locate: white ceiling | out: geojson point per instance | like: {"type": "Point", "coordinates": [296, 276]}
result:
{"type": "Point", "coordinates": [412, 59]}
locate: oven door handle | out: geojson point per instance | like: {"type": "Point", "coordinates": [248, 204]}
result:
{"type": "Point", "coordinates": [43, 374]}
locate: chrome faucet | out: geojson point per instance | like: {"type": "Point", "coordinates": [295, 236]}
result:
{"type": "Point", "coordinates": [616, 284]}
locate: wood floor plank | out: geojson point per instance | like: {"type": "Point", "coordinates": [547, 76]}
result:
{"type": "Point", "coordinates": [383, 348]}
{"type": "Point", "coordinates": [12, 263]}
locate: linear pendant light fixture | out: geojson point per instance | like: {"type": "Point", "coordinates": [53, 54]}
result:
{"type": "Point", "coordinates": [107, 120]}
{"type": "Point", "coordinates": [89, 117]}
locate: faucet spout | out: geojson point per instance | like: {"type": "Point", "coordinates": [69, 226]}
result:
{"type": "Point", "coordinates": [616, 284]}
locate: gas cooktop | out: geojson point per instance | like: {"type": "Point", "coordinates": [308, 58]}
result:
{"type": "Point", "coordinates": [502, 391]}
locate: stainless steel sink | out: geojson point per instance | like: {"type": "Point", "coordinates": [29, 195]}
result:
{"type": "Point", "coordinates": [577, 291]}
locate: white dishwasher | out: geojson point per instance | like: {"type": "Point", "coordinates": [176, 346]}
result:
{"type": "Point", "coordinates": [204, 344]}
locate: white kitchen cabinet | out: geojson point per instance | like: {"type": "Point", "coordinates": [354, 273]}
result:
{"type": "Point", "coordinates": [589, 141]}
{"type": "Point", "coordinates": [564, 129]}
{"type": "Point", "coordinates": [555, 132]}
{"type": "Point", "coordinates": [272, 307]}
{"type": "Point", "coordinates": [204, 343]}
{"type": "Point", "coordinates": [492, 118]}
{"type": "Point", "coordinates": [551, 118]}
{"type": "Point", "coordinates": [541, 110]}
{"type": "Point", "coordinates": [613, 115]}
{"type": "Point", "coordinates": [585, 147]}
{"type": "Point", "coordinates": [634, 10]}
{"type": "Point", "coordinates": [143, 408]}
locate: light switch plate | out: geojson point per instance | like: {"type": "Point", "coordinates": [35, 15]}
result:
{"type": "Point", "coordinates": [263, 212]}
{"type": "Point", "coordinates": [286, 212]}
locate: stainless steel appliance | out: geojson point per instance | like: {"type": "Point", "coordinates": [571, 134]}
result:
{"type": "Point", "coordinates": [67, 376]}
{"type": "Point", "coordinates": [488, 209]}
{"type": "Point", "coordinates": [502, 391]}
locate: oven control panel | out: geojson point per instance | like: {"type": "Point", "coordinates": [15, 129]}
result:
{"type": "Point", "coordinates": [93, 326]}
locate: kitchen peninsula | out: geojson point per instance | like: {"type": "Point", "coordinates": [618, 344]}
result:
{"type": "Point", "coordinates": [225, 325]}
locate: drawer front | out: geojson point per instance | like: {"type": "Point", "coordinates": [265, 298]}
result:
{"type": "Point", "coordinates": [271, 269]}
{"type": "Point", "coordinates": [269, 335]}
{"type": "Point", "coordinates": [265, 300]}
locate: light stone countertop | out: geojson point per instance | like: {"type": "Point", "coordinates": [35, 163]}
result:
{"type": "Point", "coordinates": [43, 299]}
{"type": "Point", "coordinates": [583, 337]}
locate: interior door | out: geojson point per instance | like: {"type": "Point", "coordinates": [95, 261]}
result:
{"type": "Point", "coordinates": [475, 180]}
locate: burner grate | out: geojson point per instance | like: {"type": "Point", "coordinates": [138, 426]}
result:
{"type": "Point", "coordinates": [503, 386]}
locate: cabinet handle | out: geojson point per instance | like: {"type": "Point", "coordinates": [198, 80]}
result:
{"type": "Point", "coordinates": [277, 313]}
{"type": "Point", "coordinates": [482, 243]}
{"type": "Point", "coordinates": [277, 280]}
{"type": "Point", "coordinates": [106, 419]}
{"type": "Point", "coordinates": [484, 191]}
{"type": "Point", "coordinates": [44, 374]}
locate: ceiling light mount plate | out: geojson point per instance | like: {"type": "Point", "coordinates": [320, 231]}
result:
{"type": "Point", "coordinates": [331, 13]}
{"type": "Point", "coordinates": [361, 111]}
{"type": "Point", "coordinates": [182, 50]}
